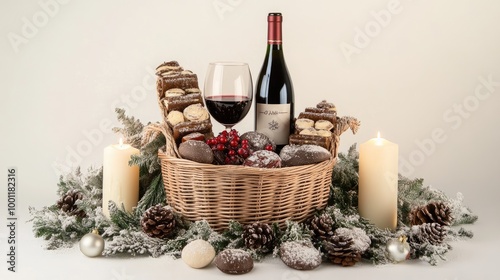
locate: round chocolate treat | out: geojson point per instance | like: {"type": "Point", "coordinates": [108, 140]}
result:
{"type": "Point", "coordinates": [198, 253]}
{"type": "Point", "coordinates": [234, 261]}
{"type": "Point", "coordinates": [263, 159]}
{"type": "Point", "coordinates": [293, 155]}
{"type": "Point", "coordinates": [198, 151]}
{"type": "Point", "coordinates": [300, 255]}
{"type": "Point", "coordinates": [257, 141]}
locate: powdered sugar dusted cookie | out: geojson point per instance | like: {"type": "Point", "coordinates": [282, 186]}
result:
{"type": "Point", "coordinates": [175, 117]}
{"type": "Point", "coordinates": [196, 112]}
{"type": "Point", "coordinates": [301, 124]}
{"type": "Point", "coordinates": [323, 124]}
{"type": "Point", "coordinates": [198, 151]}
{"type": "Point", "coordinates": [293, 155]}
{"type": "Point", "coordinates": [234, 261]}
{"type": "Point", "coordinates": [174, 92]}
{"type": "Point", "coordinates": [300, 255]}
{"type": "Point", "coordinates": [257, 141]}
{"type": "Point", "coordinates": [198, 253]}
{"type": "Point", "coordinates": [327, 105]}
{"type": "Point", "coordinates": [263, 159]}
{"type": "Point", "coordinates": [308, 131]}
{"type": "Point", "coordinates": [323, 133]}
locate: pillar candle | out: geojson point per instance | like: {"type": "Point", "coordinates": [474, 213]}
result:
{"type": "Point", "coordinates": [378, 182]}
{"type": "Point", "coordinates": [120, 180]}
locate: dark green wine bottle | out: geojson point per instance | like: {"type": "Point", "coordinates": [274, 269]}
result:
{"type": "Point", "coordinates": [274, 98]}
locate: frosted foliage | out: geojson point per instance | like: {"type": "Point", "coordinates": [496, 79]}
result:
{"type": "Point", "coordinates": [123, 233]}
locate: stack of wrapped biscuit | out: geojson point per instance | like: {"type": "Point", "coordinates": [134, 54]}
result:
{"type": "Point", "coordinates": [181, 102]}
{"type": "Point", "coordinates": [315, 125]}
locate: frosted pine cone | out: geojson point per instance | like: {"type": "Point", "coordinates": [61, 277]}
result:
{"type": "Point", "coordinates": [434, 212]}
{"type": "Point", "coordinates": [339, 249]}
{"type": "Point", "coordinates": [158, 222]}
{"type": "Point", "coordinates": [321, 227]}
{"type": "Point", "coordinates": [433, 233]}
{"type": "Point", "coordinates": [67, 203]}
{"type": "Point", "coordinates": [258, 236]}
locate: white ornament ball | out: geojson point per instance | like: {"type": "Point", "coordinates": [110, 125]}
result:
{"type": "Point", "coordinates": [198, 253]}
{"type": "Point", "coordinates": [398, 249]}
{"type": "Point", "coordinates": [92, 244]}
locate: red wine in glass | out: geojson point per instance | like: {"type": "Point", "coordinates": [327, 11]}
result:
{"type": "Point", "coordinates": [228, 110]}
{"type": "Point", "coordinates": [228, 92]}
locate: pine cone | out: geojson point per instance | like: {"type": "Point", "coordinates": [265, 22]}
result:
{"type": "Point", "coordinates": [158, 222]}
{"type": "Point", "coordinates": [339, 250]}
{"type": "Point", "coordinates": [321, 227]}
{"type": "Point", "coordinates": [433, 233]}
{"type": "Point", "coordinates": [258, 236]}
{"type": "Point", "coordinates": [434, 212]}
{"type": "Point", "coordinates": [67, 203]}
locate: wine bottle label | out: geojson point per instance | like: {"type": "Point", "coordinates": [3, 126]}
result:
{"type": "Point", "coordinates": [273, 120]}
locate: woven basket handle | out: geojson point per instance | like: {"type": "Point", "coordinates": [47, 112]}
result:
{"type": "Point", "coordinates": [170, 146]}
{"type": "Point", "coordinates": [341, 126]}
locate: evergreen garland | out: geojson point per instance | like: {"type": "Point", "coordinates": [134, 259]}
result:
{"type": "Point", "coordinates": [124, 235]}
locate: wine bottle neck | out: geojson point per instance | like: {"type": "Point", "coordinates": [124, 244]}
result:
{"type": "Point", "coordinates": [274, 29]}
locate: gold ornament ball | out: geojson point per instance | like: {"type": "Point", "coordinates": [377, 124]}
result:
{"type": "Point", "coordinates": [398, 249]}
{"type": "Point", "coordinates": [92, 244]}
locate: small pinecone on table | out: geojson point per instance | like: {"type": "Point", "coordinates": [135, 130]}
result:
{"type": "Point", "coordinates": [158, 222]}
{"type": "Point", "coordinates": [321, 227]}
{"type": "Point", "coordinates": [67, 203]}
{"type": "Point", "coordinates": [434, 212]}
{"type": "Point", "coordinates": [258, 236]}
{"type": "Point", "coordinates": [433, 233]}
{"type": "Point", "coordinates": [339, 250]}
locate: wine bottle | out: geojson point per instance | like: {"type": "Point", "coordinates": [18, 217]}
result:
{"type": "Point", "coordinates": [274, 97]}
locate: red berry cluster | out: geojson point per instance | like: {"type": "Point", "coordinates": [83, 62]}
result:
{"type": "Point", "coordinates": [229, 148]}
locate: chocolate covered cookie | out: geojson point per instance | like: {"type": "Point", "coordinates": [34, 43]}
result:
{"type": "Point", "coordinates": [257, 141]}
{"type": "Point", "coordinates": [300, 255]}
{"type": "Point", "coordinates": [294, 155]}
{"type": "Point", "coordinates": [197, 151]}
{"type": "Point", "coordinates": [263, 159]}
{"type": "Point", "coordinates": [234, 261]}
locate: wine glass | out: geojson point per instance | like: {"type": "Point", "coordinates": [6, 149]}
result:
{"type": "Point", "coordinates": [228, 92]}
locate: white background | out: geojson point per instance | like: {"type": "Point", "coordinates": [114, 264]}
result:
{"type": "Point", "coordinates": [404, 68]}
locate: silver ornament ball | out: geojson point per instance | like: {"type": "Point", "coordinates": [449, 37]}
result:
{"type": "Point", "coordinates": [398, 249]}
{"type": "Point", "coordinates": [92, 244]}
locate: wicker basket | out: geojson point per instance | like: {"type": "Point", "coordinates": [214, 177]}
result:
{"type": "Point", "coordinates": [221, 193]}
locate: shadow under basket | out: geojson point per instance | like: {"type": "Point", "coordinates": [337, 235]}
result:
{"type": "Point", "coordinates": [221, 193]}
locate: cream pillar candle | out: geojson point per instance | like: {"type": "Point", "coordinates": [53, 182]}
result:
{"type": "Point", "coordinates": [120, 181]}
{"type": "Point", "coordinates": [378, 182]}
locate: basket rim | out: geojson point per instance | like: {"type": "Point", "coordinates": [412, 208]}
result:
{"type": "Point", "coordinates": [241, 169]}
